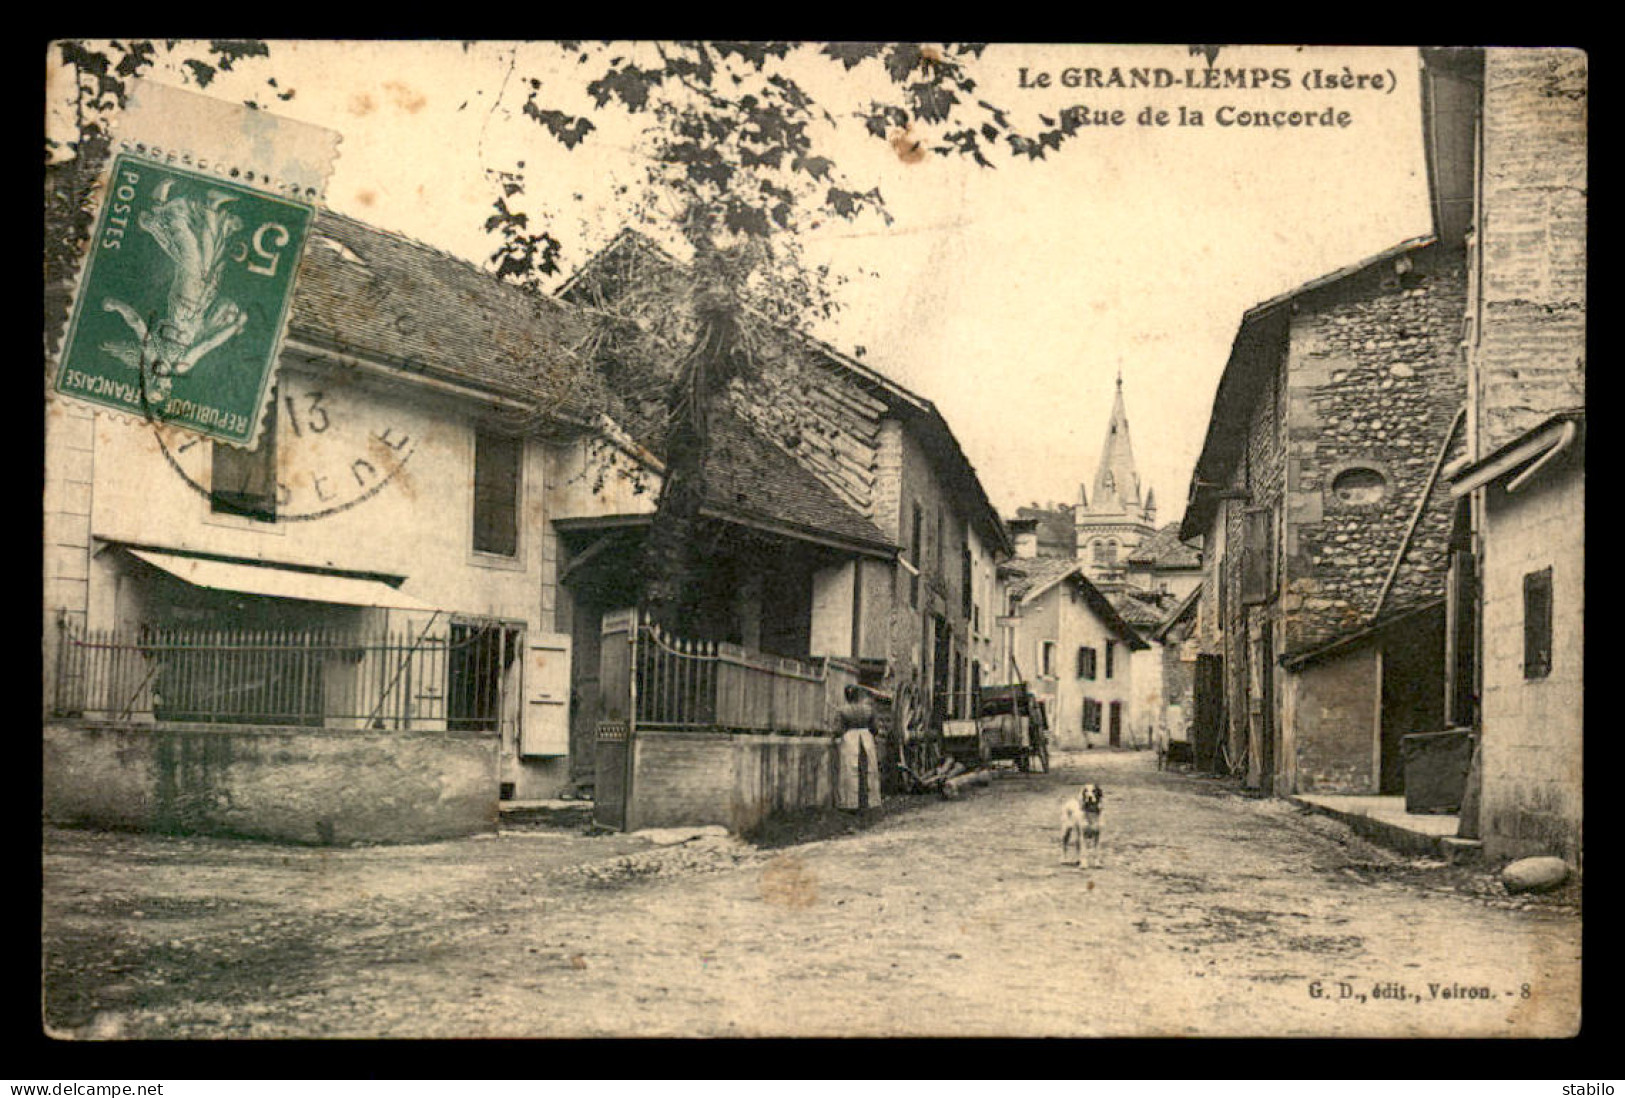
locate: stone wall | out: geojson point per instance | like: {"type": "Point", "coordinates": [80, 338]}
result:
{"type": "Point", "coordinates": [1376, 382]}
{"type": "Point", "coordinates": [286, 784]}
{"type": "Point", "coordinates": [1530, 357]}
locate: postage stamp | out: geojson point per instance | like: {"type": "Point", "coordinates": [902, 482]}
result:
{"type": "Point", "coordinates": [185, 288]}
{"type": "Point", "coordinates": [185, 293]}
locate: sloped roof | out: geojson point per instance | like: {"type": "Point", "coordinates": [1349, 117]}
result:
{"type": "Point", "coordinates": [1185, 609]}
{"type": "Point", "coordinates": [1164, 550]}
{"type": "Point", "coordinates": [366, 291]}
{"type": "Point", "coordinates": [1029, 577]}
{"type": "Point", "coordinates": [1034, 575]}
{"type": "Point", "coordinates": [750, 479]}
{"type": "Point", "coordinates": [602, 272]}
{"type": "Point", "coordinates": [1136, 611]}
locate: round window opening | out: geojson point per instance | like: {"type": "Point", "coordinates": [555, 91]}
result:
{"type": "Point", "coordinates": [1359, 485]}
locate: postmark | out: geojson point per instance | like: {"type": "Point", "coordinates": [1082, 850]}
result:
{"type": "Point", "coordinates": [322, 452]}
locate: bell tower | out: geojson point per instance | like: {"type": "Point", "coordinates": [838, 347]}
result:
{"type": "Point", "coordinates": [1114, 518]}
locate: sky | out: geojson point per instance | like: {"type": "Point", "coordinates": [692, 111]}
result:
{"type": "Point", "coordinates": [1011, 298]}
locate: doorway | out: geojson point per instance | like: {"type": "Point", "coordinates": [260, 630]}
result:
{"type": "Point", "coordinates": [1413, 662]}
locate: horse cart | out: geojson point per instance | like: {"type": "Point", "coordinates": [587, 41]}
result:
{"type": "Point", "coordinates": [1010, 725]}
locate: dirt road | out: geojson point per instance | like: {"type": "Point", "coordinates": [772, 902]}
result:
{"type": "Point", "coordinates": [1213, 914]}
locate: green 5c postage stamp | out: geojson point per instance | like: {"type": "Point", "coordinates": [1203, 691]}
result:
{"type": "Point", "coordinates": [183, 299]}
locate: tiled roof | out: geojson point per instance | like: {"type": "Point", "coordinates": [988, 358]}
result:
{"type": "Point", "coordinates": [1137, 612]}
{"type": "Point", "coordinates": [1029, 574]}
{"type": "Point", "coordinates": [370, 292]}
{"type": "Point", "coordinates": [749, 478]}
{"type": "Point", "coordinates": [1029, 577]}
{"type": "Point", "coordinates": [601, 273]}
{"type": "Point", "coordinates": [1164, 550]}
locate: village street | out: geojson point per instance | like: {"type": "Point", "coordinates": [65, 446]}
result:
{"type": "Point", "coordinates": [1213, 914]}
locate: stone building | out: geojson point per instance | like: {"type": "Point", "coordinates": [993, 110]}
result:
{"type": "Point", "coordinates": [1324, 521]}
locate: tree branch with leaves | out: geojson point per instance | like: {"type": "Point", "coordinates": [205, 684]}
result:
{"type": "Point", "coordinates": [736, 161]}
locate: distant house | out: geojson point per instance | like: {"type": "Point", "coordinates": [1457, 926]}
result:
{"type": "Point", "coordinates": [347, 631]}
{"type": "Point", "coordinates": [1074, 649]}
{"type": "Point", "coordinates": [1178, 651]}
{"type": "Point", "coordinates": [1145, 612]}
{"type": "Point", "coordinates": [1164, 564]}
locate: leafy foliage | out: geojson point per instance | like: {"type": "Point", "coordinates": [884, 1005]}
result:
{"type": "Point", "coordinates": [736, 160]}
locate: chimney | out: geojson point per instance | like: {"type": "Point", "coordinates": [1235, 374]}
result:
{"type": "Point", "coordinates": [1024, 532]}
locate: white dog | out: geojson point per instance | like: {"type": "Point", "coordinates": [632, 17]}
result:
{"type": "Point", "coordinates": [1080, 823]}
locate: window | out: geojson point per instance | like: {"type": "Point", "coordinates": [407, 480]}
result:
{"type": "Point", "coordinates": [1537, 624]}
{"type": "Point", "coordinates": [966, 580]}
{"type": "Point", "coordinates": [243, 482]}
{"type": "Point", "coordinates": [914, 558]}
{"type": "Point", "coordinates": [1049, 659]}
{"type": "Point", "coordinates": [496, 494]}
{"type": "Point", "coordinates": [1111, 653]}
{"type": "Point", "coordinates": [942, 546]}
{"type": "Point", "coordinates": [1258, 555]}
{"type": "Point", "coordinates": [1091, 715]}
{"type": "Point", "coordinates": [1359, 484]}
{"type": "Point", "coordinates": [1086, 663]}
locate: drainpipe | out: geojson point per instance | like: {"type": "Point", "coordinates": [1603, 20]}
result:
{"type": "Point", "coordinates": [1570, 430]}
{"type": "Point", "coordinates": [1416, 516]}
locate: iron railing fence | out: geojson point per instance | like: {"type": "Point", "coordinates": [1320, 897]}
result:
{"type": "Point", "coordinates": [690, 684]}
{"type": "Point", "coordinates": [404, 679]}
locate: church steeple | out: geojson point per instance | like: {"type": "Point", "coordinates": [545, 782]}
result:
{"type": "Point", "coordinates": [1117, 482]}
{"type": "Point", "coordinates": [1112, 521]}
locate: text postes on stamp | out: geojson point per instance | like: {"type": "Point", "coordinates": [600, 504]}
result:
{"type": "Point", "coordinates": [183, 299]}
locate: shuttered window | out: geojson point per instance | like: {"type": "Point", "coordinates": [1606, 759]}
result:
{"type": "Point", "coordinates": [496, 494]}
{"type": "Point", "coordinates": [914, 558]}
{"type": "Point", "coordinates": [1258, 555]}
{"type": "Point", "coordinates": [1091, 715]}
{"type": "Point", "coordinates": [1537, 624]}
{"type": "Point", "coordinates": [1086, 663]}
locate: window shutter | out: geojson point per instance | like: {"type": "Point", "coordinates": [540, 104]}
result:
{"type": "Point", "coordinates": [1258, 555]}
{"type": "Point", "coordinates": [1537, 624]}
{"type": "Point", "coordinates": [496, 494]}
{"type": "Point", "coordinates": [546, 727]}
